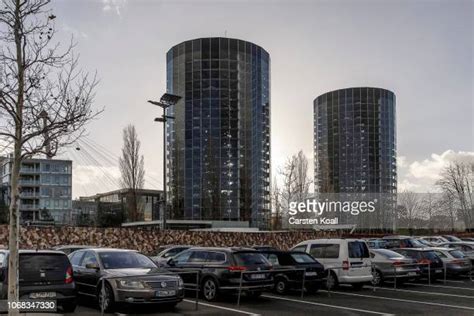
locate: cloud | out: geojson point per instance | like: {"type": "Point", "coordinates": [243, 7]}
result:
{"type": "Point", "coordinates": [115, 6]}
{"type": "Point", "coordinates": [421, 176]}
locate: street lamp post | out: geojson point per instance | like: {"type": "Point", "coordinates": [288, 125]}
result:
{"type": "Point", "coordinates": [166, 101]}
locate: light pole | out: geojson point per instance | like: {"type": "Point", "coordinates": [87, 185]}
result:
{"type": "Point", "coordinates": [165, 102]}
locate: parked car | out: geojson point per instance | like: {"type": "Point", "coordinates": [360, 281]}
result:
{"type": "Point", "coordinates": [434, 240]}
{"type": "Point", "coordinates": [293, 280]}
{"type": "Point", "coordinates": [221, 270]}
{"type": "Point", "coordinates": [166, 252]}
{"type": "Point", "coordinates": [402, 242]}
{"type": "Point", "coordinates": [67, 249]}
{"type": "Point", "coordinates": [469, 239]}
{"type": "Point", "coordinates": [455, 260]}
{"type": "Point", "coordinates": [430, 264]}
{"type": "Point", "coordinates": [128, 276]}
{"type": "Point", "coordinates": [452, 238]}
{"type": "Point", "coordinates": [348, 260]}
{"type": "Point", "coordinates": [425, 242]}
{"type": "Point", "coordinates": [376, 243]}
{"type": "Point", "coordinates": [466, 247]}
{"type": "Point", "coordinates": [43, 275]}
{"type": "Point", "coordinates": [391, 265]}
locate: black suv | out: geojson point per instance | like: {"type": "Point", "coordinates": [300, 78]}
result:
{"type": "Point", "coordinates": [221, 270]}
{"type": "Point", "coordinates": [43, 275]}
{"type": "Point", "coordinates": [430, 264]}
{"type": "Point", "coordinates": [293, 280]}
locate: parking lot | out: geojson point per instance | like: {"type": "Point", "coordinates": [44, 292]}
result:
{"type": "Point", "coordinates": [456, 297]}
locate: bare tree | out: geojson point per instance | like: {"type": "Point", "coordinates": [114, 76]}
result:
{"type": "Point", "coordinates": [410, 203]}
{"type": "Point", "coordinates": [296, 182]}
{"type": "Point", "coordinates": [132, 168]}
{"type": "Point", "coordinates": [276, 200]}
{"type": "Point", "coordinates": [457, 181]}
{"type": "Point", "coordinates": [45, 100]}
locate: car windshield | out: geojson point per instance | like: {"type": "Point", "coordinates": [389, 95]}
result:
{"type": "Point", "coordinates": [452, 238]}
{"type": "Point", "coordinates": [250, 258]}
{"type": "Point", "coordinates": [302, 258]}
{"type": "Point", "coordinates": [124, 260]}
{"type": "Point", "coordinates": [43, 262]}
{"type": "Point", "coordinates": [430, 255]}
{"type": "Point", "coordinates": [412, 243]}
{"type": "Point", "coordinates": [388, 253]}
{"type": "Point", "coordinates": [457, 254]}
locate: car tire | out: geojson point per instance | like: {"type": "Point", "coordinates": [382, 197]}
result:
{"type": "Point", "coordinates": [357, 286]}
{"type": "Point", "coordinates": [332, 281]}
{"type": "Point", "coordinates": [108, 296]}
{"type": "Point", "coordinates": [69, 307]}
{"type": "Point", "coordinates": [281, 286]}
{"type": "Point", "coordinates": [209, 289]}
{"type": "Point", "coordinates": [377, 278]}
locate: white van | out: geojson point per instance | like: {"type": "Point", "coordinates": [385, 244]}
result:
{"type": "Point", "coordinates": [347, 259]}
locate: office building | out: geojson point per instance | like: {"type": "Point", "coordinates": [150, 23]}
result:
{"type": "Point", "coordinates": [218, 159]}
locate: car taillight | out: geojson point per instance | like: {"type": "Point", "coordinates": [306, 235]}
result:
{"type": "Point", "coordinates": [345, 265]}
{"type": "Point", "coordinates": [398, 263]}
{"type": "Point", "coordinates": [237, 268]}
{"type": "Point", "coordinates": [68, 278]}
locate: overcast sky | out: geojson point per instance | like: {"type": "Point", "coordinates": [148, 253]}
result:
{"type": "Point", "coordinates": [421, 50]}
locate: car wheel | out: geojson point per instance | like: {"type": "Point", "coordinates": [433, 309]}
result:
{"type": "Point", "coordinates": [280, 286]}
{"type": "Point", "coordinates": [357, 286]}
{"type": "Point", "coordinates": [106, 298]}
{"type": "Point", "coordinates": [377, 278]}
{"type": "Point", "coordinates": [331, 281]}
{"type": "Point", "coordinates": [69, 307]}
{"type": "Point", "coordinates": [210, 289]}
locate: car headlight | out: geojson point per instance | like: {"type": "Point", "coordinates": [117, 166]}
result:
{"type": "Point", "coordinates": [131, 284]}
{"type": "Point", "coordinates": [180, 283]}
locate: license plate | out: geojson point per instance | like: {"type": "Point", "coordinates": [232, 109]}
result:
{"type": "Point", "coordinates": [43, 295]}
{"type": "Point", "coordinates": [257, 276]}
{"type": "Point", "coordinates": [438, 271]}
{"type": "Point", "coordinates": [164, 293]}
{"type": "Point", "coordinates": [311, 273]}
{"type": "Point", "coordinates": [412, 273]}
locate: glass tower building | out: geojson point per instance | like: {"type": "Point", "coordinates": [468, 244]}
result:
{"type": "Point", "coordinates": [218, 159]}
{"type": "Point", "coordinates": [355, 142]}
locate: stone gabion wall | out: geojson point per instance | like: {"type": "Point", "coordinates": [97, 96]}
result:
{"type": "Point", "coordinates": [146, 240]}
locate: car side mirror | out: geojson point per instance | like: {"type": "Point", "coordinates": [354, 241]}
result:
{"type": "Point", "coordinates": [93, 266]}
{"type": "Point", "coordinates": [171, 262]}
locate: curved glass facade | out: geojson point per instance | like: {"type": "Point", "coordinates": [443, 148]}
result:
{"type": "Point", "coordinates": [355, 154]}
{"type": "Point", "coordinates": [355, 141]}
{"type": "Point", "coordinates": [218, 160]}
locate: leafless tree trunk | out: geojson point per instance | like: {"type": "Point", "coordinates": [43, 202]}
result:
{"type": "Point", "coordinates": [132, 168]}
{"type": "Point", "coordinates": [45, 100]}
{"type": "Point", "coordinates": [457, 181]}
{"type": "Point", "coordinates": [276, 199]}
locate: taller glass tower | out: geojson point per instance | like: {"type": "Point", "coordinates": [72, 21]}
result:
{"type": "Point", "coordinates": [355, 144]}
{"type": "Point", "coordinates": [218, 160]}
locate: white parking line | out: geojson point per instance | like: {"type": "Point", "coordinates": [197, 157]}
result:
{"type": "Point", "coordinates": [222, 307]}
{"type": "Point", "coordinates": [421, 292]}
{"type": "Point", "coordinates": [326, 305]}
{"type": "Point", "coordinates": [403, 300]}
{"type": "Point", "coordinates": [443, 286]}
